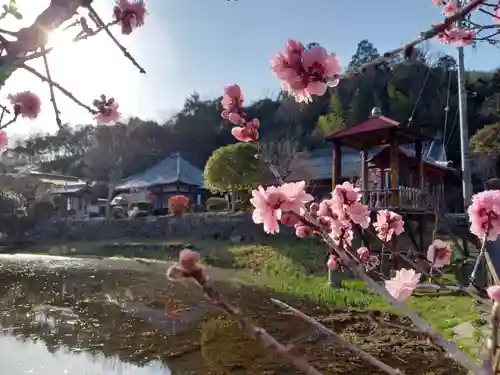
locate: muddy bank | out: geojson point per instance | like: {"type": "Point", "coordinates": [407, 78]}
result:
{"type": "Point", "coordinates": [132, 313]}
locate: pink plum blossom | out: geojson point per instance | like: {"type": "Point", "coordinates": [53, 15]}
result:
{"type": "Point", "coordinates": [363, 253]}
{"type": "Point", "coordinates": [450, 8]}
{"type": "Point", "coordinates": [289, 219]}
{"type": "Point", "coordinates": [333, 263]}
{"type": "Point", "coordinates": [496, 13]}
{"type": "Point", "coordinates": [494, 292]}
{"type": "Point", "coordinates": [232, 102]}
{"type": "Point", "coordinates": [337, 214]}
{"type": "Point", "coordinates": [304, 72]}
{"type": "Point", "coordinates": [4, 140]}
{"type": "Point", "coordinates": [439, 254]}
{"type": "Point", "coordinates": [342, 236]}
{"type": "Point", "coordinates": [188, 259]}
{"type": "Point", "coordinates": [388, 224]}
{"type": "Point", "coordinates": [484, 214]}
{"type": "Point", "coordinates": [302, 230]}
{"type": "Point", "coordinates": [130, 13]}
{"type": "Point", "coordinates": [249, 132]}
{"type": "Point", "coordinates": [107, 111]}
{"type": "Point", "coordinates": [457, 36]}
{"type": "Point", "coordinates": [347, 199]}
{"type": "Point", "coordinates": [271, 202]}
{"type": "Point", "coordinates": [402, 285]}
{"type": "Point", "coordinates": [369, 261]}
{"type": "Point", "coordinates": [26, 104]}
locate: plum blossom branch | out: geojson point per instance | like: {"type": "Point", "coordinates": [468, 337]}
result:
{"type": "Point", "coordinates": [450, 347]}
{"type": "Point", "coordinates": [126, 53]}
{"type": "Point", "coordinates": [407, 49]}
{"type": "Point", "coordinates": [59, 87]}
{"type": "Point", "coordinates": [332, 219]}
{"type": "Point", "coordinates": [189, 267]}
{"type": "Point", "coordinates": [51, 89]}
{"type": "Point", "coordinates": [339, 339]}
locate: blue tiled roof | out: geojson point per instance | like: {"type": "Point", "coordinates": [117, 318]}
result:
{"type": "Point", "coordinates": [321, 161]}
{"type": "Point", "coordinates": [171, 170]}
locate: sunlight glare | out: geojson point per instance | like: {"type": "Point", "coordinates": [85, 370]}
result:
{"type": "Point", "coordinates": [59, 39]}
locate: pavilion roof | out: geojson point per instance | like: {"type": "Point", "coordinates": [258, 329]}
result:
{"type": "Point", "coordinates": [375, 131]}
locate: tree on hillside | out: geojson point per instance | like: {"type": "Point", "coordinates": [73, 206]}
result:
{"type": "Point", "coordinates": [334, 120]}
{"type": "Point", "coordinates": [400, 104]}
{"type": "Point", "coordinates": [446, 62]}
{"type": "Point", "coordinates": [291, 162]}
{"type": "Point", "coordinates": [365, 52]}
{"type": "Point", "coordinates": [361, 105]}
{"type": "Point", "coordinates": [232, 169]}
{"type": "Point", "coordinates": [106, 159]}
{"type": "Point", "coordinates": [487, 140]}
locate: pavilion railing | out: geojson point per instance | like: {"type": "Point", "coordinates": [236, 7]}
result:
{"type": "Point", "coordinates": [401, 197]}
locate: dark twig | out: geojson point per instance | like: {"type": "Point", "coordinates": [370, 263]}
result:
{"type": "Point", "coordinates": [407, 48]}
{"type": "Point", "coordinates": [51, 89]}
{"type": "Point", "coordinates": [122, 48]}
{"type": "Point", "coordinates": [14, 119]}
{"type": "Point", "coordinates": [4, 110]}
{"type": "Point", "coordinates": [2, 114]}
{"type": "Point", "coordinates": [59, 87]}
{"type": "Point", "coordinates": [367, 357]}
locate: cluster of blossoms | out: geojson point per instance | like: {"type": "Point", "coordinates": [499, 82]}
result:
{"type": "Point", "coordinates": [305, 71]}
{"type": "Point", "coordinates": [107, 110]}
{"type": "Point", "coordinates": [129, 14]}
{"type": "Point", "coordinates": [232, 102]}
{"type": "Point", "coordinates": [336, 217]}
{"type": "Point", "coordinates": [453, 34]}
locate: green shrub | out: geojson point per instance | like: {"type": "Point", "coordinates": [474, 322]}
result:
{"type": "Point", "coordinates": [216, 204]}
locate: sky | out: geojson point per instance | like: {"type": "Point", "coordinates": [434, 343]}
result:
{"type": "Point", "coordinates": [205, 45]}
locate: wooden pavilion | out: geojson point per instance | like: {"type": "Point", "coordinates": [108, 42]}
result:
{"type": "Point", "coordinates": [394, 171]}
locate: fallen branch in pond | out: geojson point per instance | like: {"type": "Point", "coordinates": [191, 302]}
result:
{"type": "Point", "coordinates": [339, 339]}
{"type": "Point", "coordinates": [189, 267]}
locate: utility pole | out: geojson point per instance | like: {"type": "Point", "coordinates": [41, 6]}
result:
{"type": "Point", "coordinates": [464, 129]}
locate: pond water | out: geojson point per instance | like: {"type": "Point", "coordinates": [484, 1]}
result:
{"type": "Point", "coordinates": [68, 316]}
{"type": "Point", "coordinates": [34, 358]}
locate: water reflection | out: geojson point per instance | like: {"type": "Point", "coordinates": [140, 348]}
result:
{"type": "Point", "coordinates": [20, 356]}
{"type": "Point", "coordinates": [86, 321]}
{"type": "Point", "coordinates": [82, 317]}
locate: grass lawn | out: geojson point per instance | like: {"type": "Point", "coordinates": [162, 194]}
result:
{"type": "Point", "coordinates": [296, 267]}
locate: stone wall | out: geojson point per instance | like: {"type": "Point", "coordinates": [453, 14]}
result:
{"type": "Point", "coordinates": [235, 226]}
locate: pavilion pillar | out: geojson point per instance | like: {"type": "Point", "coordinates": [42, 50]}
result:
{"type": "Point", "coordinates": [364, 175]}
{"type": "Point", "coordinates": [420, 168]}
{"type": "Point", "coordinates": [394, 165]}
{"type": "Point", "coordinates": [337, 164]}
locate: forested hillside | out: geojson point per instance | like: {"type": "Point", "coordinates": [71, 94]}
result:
{"type": "Point", "coordinates": [420, 92]}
